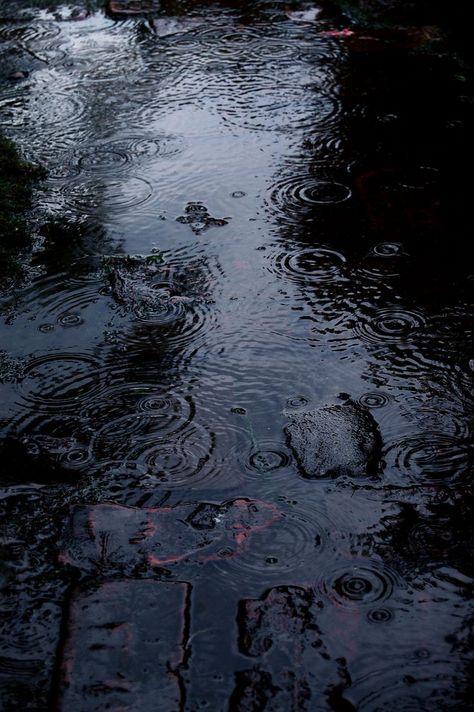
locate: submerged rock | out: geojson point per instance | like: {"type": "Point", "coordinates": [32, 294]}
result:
{"type": "Point", "coordinates": [142, 285]}
{"type": "Point", "coordinates": [335, 440]}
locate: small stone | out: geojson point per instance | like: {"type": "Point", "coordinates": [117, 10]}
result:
{"type": "Point", "coordinates": [335, 440]}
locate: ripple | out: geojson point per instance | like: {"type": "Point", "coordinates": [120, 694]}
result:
{"type": "Point", "coordinates": [102, 159]}
{"type": "Point", "coordinates": [312, 264]}
{"type": "Point", "coordinates": [106, 157]}
{"type": "Point", "coordinates": [296, 195]}
{"type": "Point", "coordinates": [433, 542]}
{"type": "Point", "coordinates": [178, 461]}
{"type": "Point", "coordinates": [76, 458]}
{"type": "Point", "coordinates": [51, 104]}
{"type": "Point", "coordinates": [129, 412]}
{"type": "Point", "coordinates": [388, 249]}
{"type": "Point", "coordinates": [380, 615]}
{"type": "Point", "coordinates": [404, 687]}
{"type": "Point", "coordinates": [374, 400]}
{"type": "Point", "coordinates": [268, 456]}
{"type": "Point", "coordinates": [294, 542]}
{"type": "Point", "coordinates": [70, 319]}
{"type": "Point", "coordinates": [365, 584]}
{"type": "Point", "coordinates": [257, 103]}
{"type": "Point", "coordinates": [391, 326]}
{"type": "Point", "coordinates": [60, 298]}
{"type": "Point", "coordinates": [430, 458]}
{"type": "Point", "coordinates": [296, 402]}
{"type": "Point", "coordinates": [96, 196]}
{"type": "Point", "coordinates": [384, 260]}
{"type": "Point", "coordinates": [30, 32]}
{"type": "Point", "coordinates": [59, 382]}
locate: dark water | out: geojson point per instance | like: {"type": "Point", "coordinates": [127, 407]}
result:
{"type": "Point", "coordinates": [305, 199]}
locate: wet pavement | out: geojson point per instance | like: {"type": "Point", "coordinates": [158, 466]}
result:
{"type": "Point", "coordinates": [255, 220]}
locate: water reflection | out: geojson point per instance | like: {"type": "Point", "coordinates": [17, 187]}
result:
{"type": "Point", "coordinates": [245, 215]}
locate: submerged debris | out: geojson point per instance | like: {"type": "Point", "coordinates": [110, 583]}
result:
{"type": "Point", "coordinates": [198, 218]}
{"type": "Point", "coordinates": [143, 285]}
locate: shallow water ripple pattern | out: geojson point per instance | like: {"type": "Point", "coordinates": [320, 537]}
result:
{"type": "Point", "coordinates": [243, 219]}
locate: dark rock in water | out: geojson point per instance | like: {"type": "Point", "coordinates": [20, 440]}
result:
{"type": "Point", "coordinates": [335, 440]}
{"type": "Point", "coordinates": [124, 647]}
{"type": "Point", "coordinates": [40, 459]}
{"type": "Point", "coordinates": [126, 540]}
{"type": "Point", "coordinates": [293, 668]}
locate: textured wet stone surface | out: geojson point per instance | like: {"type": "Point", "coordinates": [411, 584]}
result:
{"type": "Point", "coordinates": [335, 440]}
{"type": "Point", "coordinates": [108, 537]}
{"type": "Point", "coordinates": [293, 669]}
{"type": "Point", "coordinates": [124, 647]}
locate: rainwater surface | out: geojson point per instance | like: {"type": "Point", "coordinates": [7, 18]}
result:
{"type": "Point", "coordinates": [245, 216]}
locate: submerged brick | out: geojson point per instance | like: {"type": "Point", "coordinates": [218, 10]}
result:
{"type": "Point", "coordinates": [292, 667]}
{"type": "Point", "coordinates": [124, 645]}
{"type": "Point", "coordinates": [105, 536]}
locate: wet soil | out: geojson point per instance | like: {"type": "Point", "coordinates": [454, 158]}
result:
{"type": "Point", "coordinates": [252, 210]}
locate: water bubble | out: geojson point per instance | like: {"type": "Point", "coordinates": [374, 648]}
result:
{"type": "Point", "coordinates": [70, 320]}
{"type": "Point", "coordinates": [46, 328]}
{"type": "Point", "coordinates": [296, 402]}
{"type": "Point", "coordinates": [380, 615]}
{"type": "Point", "coordinates": [388, 249]}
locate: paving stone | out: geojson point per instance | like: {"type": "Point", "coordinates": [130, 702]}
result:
{"type": "Point", "coordinates": [293, 669]}
{"type": "Point", "coordinates": [124, 645]}
{"type": "Point", "coordinates": [135, 541]}
{"type": "Point", "coordinates": [129, 8]}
